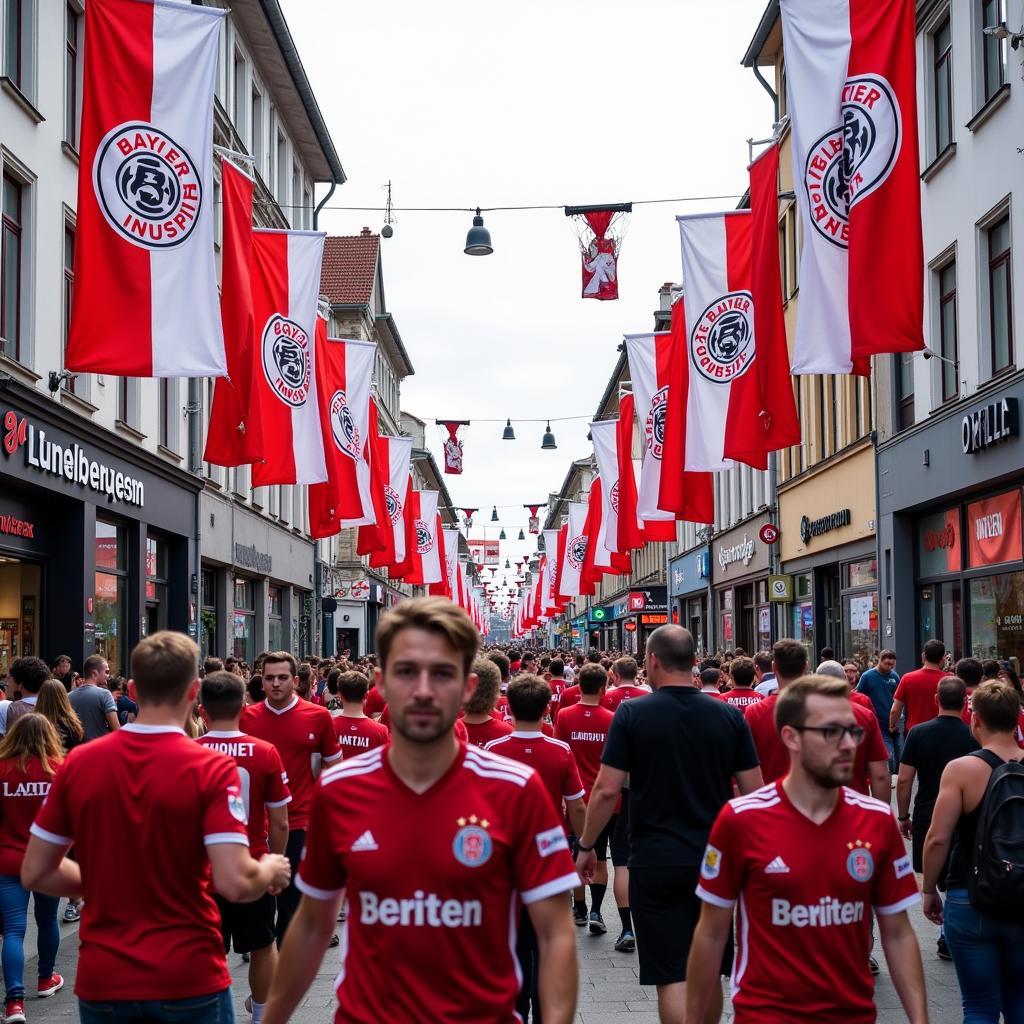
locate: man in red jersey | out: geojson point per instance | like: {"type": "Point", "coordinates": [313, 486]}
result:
{"type": "Point", "coordinates": [374, 705]}
{"type": "Point", "coordinates": [710, 679]}
{"type": "Point", "coordinates": [916, 690]}
{"type": "Point", "coordinates": [559, 686]}
{"type": "Point", "coordinates": [529, 699]}
{"type": "Point", "coordinates": [305, 738]}
{"type": "Point", "coordinates": [263, 783]}
{"type": "Point", "coordinates": [742, 694]}
{"type": "Point", "coordinates": [481, 724]}
{"type": "Point", "coordinates": [150, 811]}
{"type": "Point", "coordinates": [356, 732]}
{"type": "Point", "coordinates": [501, 704]}
{"type": "Point", "coordinates": [624, 685]}
{"type": "Point", "coordinates": [808, 859]}
{"type": "Point", "coordinates": [436, 843]}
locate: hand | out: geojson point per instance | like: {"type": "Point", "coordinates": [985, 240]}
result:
{"type": "Point", "coordinates": [281, 871]}
{"type": "Point", "coordinates": [933, 907]}
{"type": "Point", "coordinates": [586, 865]}
{"type": "Point", "coordinates": [906, 829]}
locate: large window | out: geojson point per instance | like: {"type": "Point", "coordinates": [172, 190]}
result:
{"type": "Point", "coordinates": [10, 267]}
{"type": "Point", "coordinates": [238, 107]}
{"type": "Point", "coordinates": [803, 611]}
{"type": "Point", "coordinates": [72, 21]}
{"type": "Point", "coordinates": [157, 606]}
{"type": "Point", "coordinates": [859, 583]}
{"type": "Point", "coordinates": [904, 362]}
{"type": "Point", "coordinates": [275, 624]}
{"type": "Point", "coordinates": [997, 617]}
{"type": "Point", "coordinates": [1000, 295]}
{"type": "Point", "coordinates": [942, 85]}
{"type": "Point", "coordinates": [282, 170]}
{"type": "Point", "coordinates": [243, 631]}
{"type": "Point", "coordinates": [993, 50]}
{"type": "Point", "coordinates": [208, 613]}
{"type": "Point", "coordinates": [111, 616]}
{"type": "Point", "coordinates": [123, 402]}
{"type": "Point", "coordinates": [14, 31]}
{"type": "Point", "coordinates": [257, 129]}
{"type": "Point", "coordinates": [948, 345]}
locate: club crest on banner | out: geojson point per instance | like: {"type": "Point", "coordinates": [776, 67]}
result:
{"type": "Point", "coordinates": [424, 538]}
{"type": "Point", "coordinates": [534, 525]}
{"type": "Point", "coordinates": [722, 340]}
{"type": "Point", "coordinates": [393, 502]}
{"type": "Point", "coordinates": [654, 428]}
{"type": "Point", "coordinates": [613, 497]}
{"type": "Point", "coordinates": [147, 186]}
{"type": "Point", "coordinates": [851, 161]}
{"type": "Point", "coordinates": [286, 361]}
{"type": "Point", "coordinates": [343, 426]}
{"type": "Point", "coordinates": [576, 551]}
{"type": "Point", "coordinates": [453, 455]}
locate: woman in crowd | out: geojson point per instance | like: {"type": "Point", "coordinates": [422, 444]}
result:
{"type": "Point", "coordinates": [54, 706]}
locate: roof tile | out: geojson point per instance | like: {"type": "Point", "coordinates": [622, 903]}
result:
{"type": "Point", "coordinates": [350, 268]}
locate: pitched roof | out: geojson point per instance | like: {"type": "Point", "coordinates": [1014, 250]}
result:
{"type": "Point", "coordinates": [350, 268]}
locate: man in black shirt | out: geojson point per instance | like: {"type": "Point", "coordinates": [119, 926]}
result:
{"type": "Point", "coordinates": [681, 752]}
{"type": "Point", "coordinates": [929, 747]}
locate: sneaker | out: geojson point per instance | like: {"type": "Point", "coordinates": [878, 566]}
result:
{"type": "Point", "coordinates": [873, 964]}
{"type": "Point", "coordinates": [50, 986]}
{"type": "Point", "coordinates": [248, 1004]}
{"type": "Point", "coordinates": [335, 941]}
{"type": "Point", "coordinates": [245, 958]}
{"type": "Point", "coordinates": [14, 1011]}
{"type": "Point", "coordinates": [597, 925]}
{"type": "Point", "coordinates": [579, 914]}
{"type": "Point", "coordinates": [942, 949]}
{"type": "Point", "coordinates": [625, 943]}
{"type": "Point", "coordinates": [71, 912]}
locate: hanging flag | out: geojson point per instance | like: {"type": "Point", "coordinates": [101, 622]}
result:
{"type": "Point", "coordinates": [234, 436]}
{"type": "Point", "coordinates": [435, 561]}
{"type": "Point", "coordinates": [451, 445]}
{"type": "Point", "coordinates": [421, 511]}
{"type": "Point", "coordinates": [600, 259]}
{"type": "Point", "coordinates": [534, 522]}
{"type": "Point", "coordinates": [574, 552]}
{"type": "Point", "coordinates": [145, 302]}
{"type": "Point", "coordinates": [631, 529]}
{"type": "Point", "coordinates": [285, 284]}
{"type": "Point", "coordinates": [371, 536]}
{"type": "Point", "coordinates": [451, 563]}
{"type": "Point", "coordinates": [344, 369]}
{"type": "Point", "coordinates": [851, 82]}
{"type": "Point", "coordinates": [396, 455]}
{"type": "Point", "coordinates": [548, 602]}
{"type": "Point", "coordinates": [468, 513]}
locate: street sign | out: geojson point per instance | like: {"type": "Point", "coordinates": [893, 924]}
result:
{"type": "Point", "coordinates": [629, 626]}
{"type": "Point", "coordinates": [598, 614]}
{"type": "Point", "coordinates": [780, 588]}
{"type": "Point", "coordinates": [769, 533]}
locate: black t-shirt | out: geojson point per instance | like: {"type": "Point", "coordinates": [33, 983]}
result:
{"type": "Point", "coordinates": [681, 749]}
{"type": "Point", "coordinates": [929, 747]}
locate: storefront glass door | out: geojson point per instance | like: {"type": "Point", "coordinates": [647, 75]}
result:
{"type": "Point", "coordinates": [19, 610]}
{"type": "Point", "coordinates": [997, 617]}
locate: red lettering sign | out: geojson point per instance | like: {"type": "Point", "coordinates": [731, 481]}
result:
{"type": "Point", "coordinates": [17, 527]}
{"type": "Point", "coordinates": [994, 530]}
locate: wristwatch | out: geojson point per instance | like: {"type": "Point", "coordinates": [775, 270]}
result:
{"type": "Point", "coordinates": [905, 817]}
{"type": "Point", "coordinates": [584, 849]}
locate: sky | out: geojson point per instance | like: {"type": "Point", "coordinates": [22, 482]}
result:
{"type": "Point", "coordinates": [570, 103]}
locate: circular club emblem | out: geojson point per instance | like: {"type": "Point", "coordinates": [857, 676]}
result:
{"type": "Point", "coordinates": [654, 428]}
{"type": "Point", "coordinates": [394, 503]}
{"type": "Point", "coordinates": [424, 541]}
{"type": "Point", "coordinates": [343, 426]}
{"type": "Point", "coordinates": [614, 497]}
{"type": "Point", "coordinates": [286, 361]}
{"type": "Point", "coordinates": [472, 846]}
{"type": "Point", "coordinates": [768, 533]}
{"type": "Point", "coordinates": [722, 341]}
{"type": "Point", "coordinates": [852, 160]}
{"type": "Point", "coordinates": [236, 805]}
{"type": "Point", "coordinates": [860, 864]}
{"type": "Point", "coordinates": [805, 529]}
{"type": "Point", "coordinates": [779, 588]}
{"type": "Point", "coordinates": [147, 186]}
{"type": "Point", "coordinates": [577, 551]}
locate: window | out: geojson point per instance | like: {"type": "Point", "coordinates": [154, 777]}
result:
{"type": "Point", "coordinates": [243, 633]}
{"type": "Point", "coordinates": [948, 346]}
{"type": "Point", "coordinates": [820, 383]}
{"type": "Point", "coordinates": [157, 605]}
{"type": "Point", "coordinates": [208, 614]}
{"type": "Point", "coordinates": [296, 214]}
{"type": "Point", "coordinates": [942, 85]}
{"type": "Point", "coordinates": [282, 169]}
{"type": "Point", "coordinates": [1000, 294]}
{"type": "Point", "coordinates": [834, 424]}
{"type": "Point", "coordinates": [275, 624]}
{"type": "Point", "coordinates": [257, 128]}
{"type": "Point", "coordinates": [163, 412]}
{"type": "Point", "coordinates": [307, 212]}
{"type": "Point", "coordinates": [69, 290]}
{"type": "Point", "coordinates": [238, 108]}
{"type": "Point", "coordinates": [904, 364]}
{"type": "Point", "coordinates": [783, 263]}
{"type": "Point", "coordinates": [122, 399]}
{"type": "Point", "coordinates": [10, 267]}
{"type": "Point", "coordinates": [72, 21]}
{"type": "Point", "coordinates": [14, 31]}
{"type": "Point", "coordinates": [111, 618]}
{"type": "Point", "coordinates": [993, 50]}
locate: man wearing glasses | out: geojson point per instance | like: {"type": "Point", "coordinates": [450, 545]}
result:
{"type": "Point", "coordinates": [809, 859]}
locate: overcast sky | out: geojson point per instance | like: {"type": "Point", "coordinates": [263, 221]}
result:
{"type": "Point", "coordinates": [464, 104]}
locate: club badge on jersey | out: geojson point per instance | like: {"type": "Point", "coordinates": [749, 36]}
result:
{"type": "Point", "coordinates": [472, 844]}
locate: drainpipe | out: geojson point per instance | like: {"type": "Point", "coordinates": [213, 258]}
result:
{"type": "Point", "coordinates": [767, 88]}
{"type": "Point", "coordinates": [192, 411]}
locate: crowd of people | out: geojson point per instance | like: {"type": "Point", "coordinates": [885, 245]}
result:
{"type": "Point", "coordinates": [437, 799]}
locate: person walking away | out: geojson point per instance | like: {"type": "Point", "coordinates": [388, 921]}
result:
{"type": "Point", "coordinates": [93, 702]}
{"type": "Point", "coordinates": [624, 684]}
{"type": "Point", "coordinates": [54, 706]}
{"type": "Point", "coordinates": [879, 685]}
{"type": "Point", "coordinates": [916, 690]}
{"type": "Point", "coordinates": [766, 683]}
{"type": "Point", "coordinates": [356, 732]}
{"type": "Point", "coordinates": [480, 721]}
{"type": "Point", "coordinates": [977, 822]}
{"type": "Point", "coordinates": [742, 694]}
{"type": "Point", "coordinates": [30, 754]}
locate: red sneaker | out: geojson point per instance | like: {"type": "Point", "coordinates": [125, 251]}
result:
{"type": "Point", "coordinates": [14, 1011]}
{"type": "Point", "coordinates": [50, 986]}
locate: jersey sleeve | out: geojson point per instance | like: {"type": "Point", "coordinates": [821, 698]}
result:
{"type": "Point", "coordinates": [723, 868]}
{"type": "Point", "coordinates": [572, 784]}
{"type": "Point", "coordinates": [108, 702]}
{"type": "Point", "coordinates": [277, 794]}
{"type": "Point", "coordinates": [873, 740]}
{"type": "Point", "coordinates": [895, 882]}
{"type": "Point", "coordinates": [901, 693]}
{"type": "Point", "coordinates": [53, 822]}
{"type": "Point", "coordinates": [330, 748]}
{"type": "Point", "coordinates": [224, 817]}
{"type": "Point", "coordinates": [321, 874]}
{"type": "Point", "coordinates": [541, 862]}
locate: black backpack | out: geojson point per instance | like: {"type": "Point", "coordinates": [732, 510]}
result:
{"type": "Point", "coordinates": [996, 881]}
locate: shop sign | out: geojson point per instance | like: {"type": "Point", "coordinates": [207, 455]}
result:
{"type": "Point", "coordinates": [991, 424]}
{"type": "Point", "coordinates": [780, 589]}
{"type": "Point", "coordinates": [353, 590]}
{"type": "Point", "coordinates": [598, 614]}
{"type": "Point", "coordinates": [645, 601]}
{"type": "Point", "coordinates": [939, 543]}
{"type": "Point", "coordinates": [826, 524]}
{"type": "Point", "coordinates": [994, 530]}
{"type": "Point", "coordinates": [742, 551]}
{"type": "Point", "coordinates": [629, 626]}
{"type": "Point", "coordinates": [250, 558]}
{"type": "Point", "coordinates": [17, 527]}
{"type": "Point", "coordinates": [653, 620]}
{"type": "Point", "coordinates": [768, 534]}
{"type": "Point", "coordinates": [689, 572]}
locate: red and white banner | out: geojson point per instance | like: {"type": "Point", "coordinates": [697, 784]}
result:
{"type": "Point", "coordinates": [435, 563]}
{"type": "Point", "coordinates": [234, 436]}
{"type": "Point", "coordinates": [344, 369]}
{"type": "Point", "coordinates": [485, 552]}
{"type": "Point", "coordinates": [600, 259]}
{"type": "Point", "coordinates": [575, 551]}
{"type": "Point", "coordinates": [394, 456]}
{"type": "Point", "coordinates": [603, 434]}
{"type": "Point", "coordinates": [146, 302]}
{"type": "Point", "coordinates": [549, 603]}
{"type": "Point", "coordinates": [425, 532]}
{"type": "Point", "coordinates": [851, 81]}
{"type": "Point", "coordinates": [285, 286]}
{"type": "Point", "coordinates": [451, 562]}
{"type": "Point", "coordinates": [452, 446]}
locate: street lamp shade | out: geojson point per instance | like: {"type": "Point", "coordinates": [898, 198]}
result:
{"type": "Point", "coordinates": [478, 238]}
{"type": "Point", "coordinates": [501, 536]}
{"type": "Point", "coordinates": [494, 514]}
{"type": "Point", "coordinates": [508, 434]}
{"type": "Point", "coordinates": [507, 564]}
{"type": "Point", "coordinates": [522, 536]}
{"type": "Point", "coordinates": [548, 443]}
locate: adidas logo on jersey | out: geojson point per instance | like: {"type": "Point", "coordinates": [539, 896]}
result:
{"type": "Point", "coordinates": [777, 867]}
{"type": "Point", "coordinates": [365, 842]}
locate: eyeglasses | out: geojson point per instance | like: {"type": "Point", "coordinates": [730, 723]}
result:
{"type": "Point", "coordinates": [834, 733]}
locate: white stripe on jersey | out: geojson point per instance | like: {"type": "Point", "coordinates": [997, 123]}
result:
{"type": "Point", "coordinates": [490, 760]}
{"type": "Point", "coordinates": [363, 764]}
{"type": "Point", "coordinates": [868, 803]}
{"type": "Point", "coordinates": [766, 796]}
{"type": "Point", "coordinates": [485, 773]}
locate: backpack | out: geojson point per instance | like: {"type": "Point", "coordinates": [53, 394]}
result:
{"type": "Point", "coordinates": [996, 882]}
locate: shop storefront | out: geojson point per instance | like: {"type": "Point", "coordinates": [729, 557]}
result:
{"type": "Point", "coordinates": [601, 627]}
{"type": "Point", "coordinates": [952, 533]}
{"type": "Point", "coordinates": [97, 537]}
{"type": "Point", "coordinates": [688, 576]}
{"type": "Point", "coordinates": [636, 615]}
{"type": "Point", "coordinates": [827, 545]}
{"type": "Point", "coordinates": [740, 563]}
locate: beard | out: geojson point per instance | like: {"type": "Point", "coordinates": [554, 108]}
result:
{"type": "Point", "coordinates": [829, 776]}
{"type": "Point", "coordinates": [425, 729]}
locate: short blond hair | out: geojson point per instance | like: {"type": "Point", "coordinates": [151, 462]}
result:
{"type": "Point", "coordinates": [435, 615]}
{"type": "Point", "coordinates": [163, 667]}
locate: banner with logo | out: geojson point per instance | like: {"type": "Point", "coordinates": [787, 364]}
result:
{"type": "Point", "coordinates": [285, 286]}
{"type": "Point", "coordinates": [575, 552]}
{"type": "Point", "coordinates": [410, 568]}
{"type": "Point", "coordinates": [994, 530]}
{"type": "Point", "coordinates": [146, 302]}
{"type": "Point", "coordinates": [851, 80]}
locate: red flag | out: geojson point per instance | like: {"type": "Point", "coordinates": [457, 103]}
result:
{"type": "Point", "coordinates": [234, 436]}
{"type": "Point", "coordinates": [441, 586]}
{"type": "Point", "coordinates": [395, 453]}
{"type": "Point", "coordinates": [371, 537]}
{"type": "Point", "coordinates": [412, 565]}
{"type": "Point", "coordinates": [631, 531]}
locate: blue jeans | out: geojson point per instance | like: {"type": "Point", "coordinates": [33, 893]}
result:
{"type": "Point", "coordinates": [989, 958]}
{"type": "Point", "coordinates": [215, 1008]}
{"type": "Point", "coordinates": [14, 907]}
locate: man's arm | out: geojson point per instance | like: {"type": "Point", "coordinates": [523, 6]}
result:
{"type": "Point", "coordinates": [880, 781]}
{"type": "Point", "coordinates": [749, 780]}
{"type": "Point", "coordinates": [577, 811]}
{"type": "Point", "coordinates": [112, 721]}
{"type": "Point", "coordinates": [945, 815]}
{"type": "Point", "coordinates": [894, 714]}
{"type": "Point", "coordinates": [556, 941]}
{"type": "Point", "coordinates": [904, 787]}
{"type": "Point", "coordinates": [239, 878]}
{"type": "Point", "coordinates": [704, 967]}
{"type": "Point", "coordinates": [903, 956]}
{"type": "Point", "coordinates": [305, 943]}
{"type": "Point", "coordinates": [277, 831]}
{"type": "Point", "coordinates": [603, 797]}
{"type": "Point", "coordinates": [45, 869]}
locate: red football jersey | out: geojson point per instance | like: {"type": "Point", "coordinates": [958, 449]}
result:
{"type": "Point", "coordinates": [566, 698]}
{"type": "Point", "coordinates": [435, 931]}
{"type": "Point", "coordinates": [305, 738]}
{"type": "Point", "coordinates": [742, 698]}
{"type": "Point", "coordinates": [23, 794]}
{"type": "Point", "coordinates": [262, 780]}
{"type": "Point", "coordinates": [584, 727]}
{"type": "Point", "coordinates": [615, 696]}
{"type": "Point", "coordinates": [358, 735]}
{"type": "Point", "coordinates": [856, 697]}
{"type": "Point", "coordinates": [550, 758]}
{"type": "Point", "coordinates": [481, 735]}
{"type": "Point", "coordinates": [140, 806]}
{"type": "Point", "coordinates": [774, 757]}
{"type": "Point", "coordinates": [502, 710]}
{"type": "Point", "coordinates": [917, 690]}
{"type": "Point", "coordinates": [374, 703]}
{"type": "Point", "coordinates": [805, 894]}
